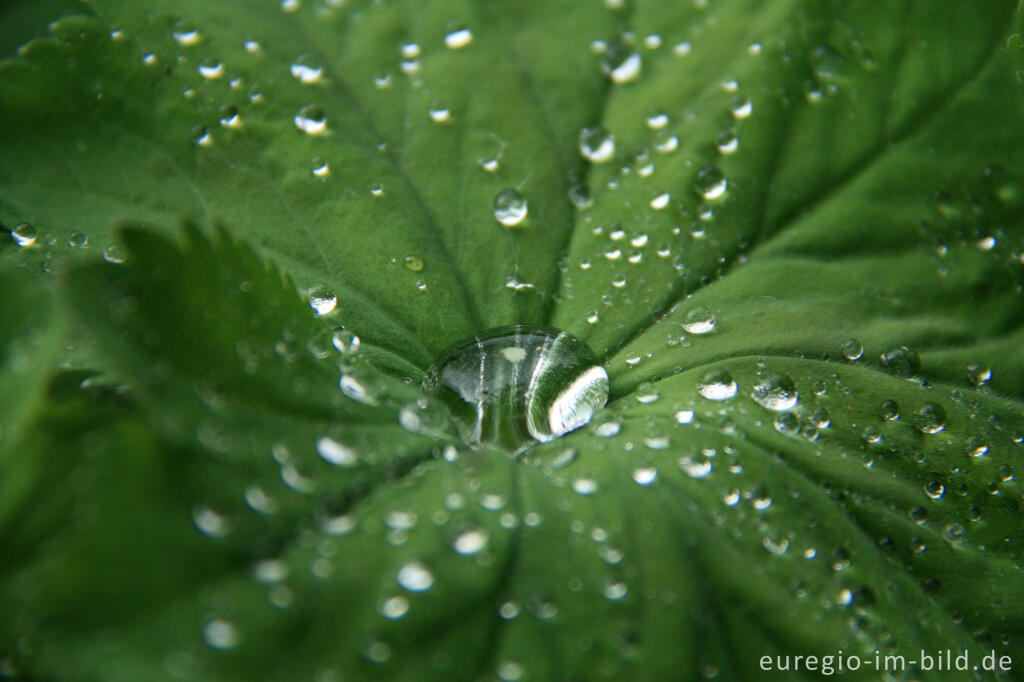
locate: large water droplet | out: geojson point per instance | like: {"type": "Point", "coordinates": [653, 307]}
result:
{"type": "Point", "coordinates": [415, 577]}
{"type": "Point", "coordinates": [458, 39]}
{"type": "Point", "coordinates": [513, 386]}
{"type": "Point", "coordinates": [510, 208]}
{"type": "Point", "coordinates": [699, 320]}
{"type": "Point", "coordinates": [307, 69]}
{"type": "Point", "coordinates": [775, 392]}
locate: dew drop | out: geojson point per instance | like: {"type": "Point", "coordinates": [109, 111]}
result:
{"type": "Point", "coordinates": [311, 120]}
{"type": "Point", "coordinates": [395, 607]}
{"type": "Point", "coordinates": [322, 300]}
{"type": "Point", "coordinates": [471, 541]}
{"type": "Point", "coordinates": [647, 393]}
{"type": "Point", "coordinates": [439, 113]}
{"type": "Point", "coordinates": [211, 69]}
{"type": "Point", "coordinates": [889, 410]}
{"type": "Point", "coordinates": [930, 418]}
{"type": "Point", "coordinates": [727, 142]}
{"type": "Point", "coordinates": [24, 234]}
{"type": "Point", "coordinates": [934, 489]}
{"type": "Point", "coordinates": [852, 349]}
{"type": "Point", "coordinates": [221, 634]}
{"type": "Point", "coordinates": [775, 392]}
{"type": "Point", "coordinates": [115, 253]}
{"type": "Point", "coordinates": [717, 384]}
{"type": "Point", "coordinates": [320, 168]}
{"type": "Point", "coordinates": [903, 361]}
{"type": "Point", "coordinates": [415, 577]}
{"type": "Point", "coordinates": [699, 320]}
{"type": "Point", "coordinates": [979, 375]}
{"type": "Point", "coordinates": [742, 108]}
{"type": "Point", "coordinates": [585, 486]}
{"type": "Point", "coordinates": [307, 69]}
{"type": "Point", "coordinates": [413, 263]}
{"type": "Point", "coordinates": [510, 208]}
{"type": "Point", "coordinates": [645, 475]}
{"type": "Point", "coordinates": [335, 453]}
{"type": "Point", "coordinates": [513, 386]}
{"type": "Point", "coordinates": [185, 33]}
{"type": "Point", "coordinates": [621, 63]}
{"type": "Point", "coordinates": [201, 136]}
{"type": "Point", "coordinates": [458, 39]}
{"type": "Point", "coordinates": [711, 183]}
{"type": "Point", "coordinates": [596, 144]}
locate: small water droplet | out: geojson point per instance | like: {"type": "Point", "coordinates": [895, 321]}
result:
{"type": "Point", "coordinates": [889, 410]}
{"type": "Point", "coordinates": [585, 486]}
{"type": "Point", "coordinates": [320, 168]}
{"type": "Point", "coordinates": [775, 392]}
{"type": "Point", "coordinates": [647, 393]}
{"type": "Point", "coordinates": [307, 69]}
{"type": "Point", "coordinates": [510, 208]}
{"type": "Point", "coordinates": [413, 263]}
{"type": "Point", "coordinates": [221, 634]}
{"type": "Point", "coordinates": [930, 418]}
{"type": "Point", "coordinates": [335, 453]}
{"type": "Point", "coordinates": [621, 63]}
{"type": "Point", "coordinates": [727, 142]}
{"type": "Point", "coordinates": [717, 384]}
{"type": "Point", "coordinates": [979, 375]}
{"type": "Point", "coordinates": [458, 39]}
{"type": "Point", "coordinates": [645, 475]}
{"type": "Point", "coordinates": [934, 489]}
{"type": "Point", "coordinates": [852, 349]}
{"type": "Point", "coordinates": [415, 577]}
{"type": "Point", "coordinates": [711, 183]}
{"type": "Point", "coordinates": [322, 300]}
{"type": "Point", "coordinates": [311, 120]}
{"type": "Point", "coordinates": [116, 254]}
{"type": "Point", "coordinates": [903, 361]}
{"type": "Point", "coordinates": [201, 136]}
{"type": "Point", "coordinates": [742, 108]}
{"type": "Point", "coordinates": [211, 69]}
{"type": "Point", "coordinates": [596, 144]}
{"type": "Point", "coordinates": [185, 33]}
{"type": "Point", "coordinates": [395, 607]}
{"type": "Point", "coordinates": [229, 117]}
{"type": "Point", "coordinates": [699, 320]}
{"type": "Point", "coordinates": [471, 541]}
{"type": "Point", "coordinates": [24, 234]}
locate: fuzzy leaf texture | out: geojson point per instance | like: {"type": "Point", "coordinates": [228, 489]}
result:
{"type": "Point", "coordinates": [240, 233]}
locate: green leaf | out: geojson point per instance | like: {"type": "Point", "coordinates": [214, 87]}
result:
{"type": "Point", "coordinates": [801, 265]}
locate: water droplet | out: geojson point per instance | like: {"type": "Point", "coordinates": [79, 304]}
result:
{"type": "Point", "coordinates": [458, 39]}
{"type": "Point", "coordinates": [78, 240]}
{"type": "Point", "coordinates": [775, 392]}
{"type": "Point", "coordinates": [621, 63]}
{"type": "Point", "coordinates": [660, 201]}
{"type": "Point", "coordinates": [820, 418]}
{"type": "Point", "coordinates": [930, 418]}
{"type": "Point", "coordinates": [711, 183]}
{"type": "Point", "coordinates": [903, 361]}
{"type": "Point", "coordinates": [852, 349]}
{"type": "Point", "coordinates": [596, 144]}
{"type": "Point", "coordinates": [395, 607]}
{"type": "Point", "coordinates": [787, 424]}
{"type": "Point", "coordinates": [116, 254]}
{"type": "Point", "coordinates": [439, 113]}
{"type": "Point", "coordinates": [742, 108]}
{"type": "Point", "coordinates": [322, 300]}
{"type": "Point", "coordinates": [889, 410]}
{"type": "Point", "coordinates": [657, 120]}
{"type": "Point", "coordinates": [471, 541]}
{"type": "Point", "coordinates": [585, 486]}
{"type": "Point", "coordinates": [211, 69]}
{"type": "Point", "coordinates": [695, 468]}
{"type": "Point", "coordinates": [682, 49]}
{"type": "Point", "coordinates": [826, 62]}
{"type": "Point", "coordinates": [221, 634]}
{"type": "Point", "coordinates": [727, 142]}
{"type": "Point", "coordinates": [345, 341]}
{"type": "Point", "coordinates": [510, 208]}
{"type": "Point", "coordinates": [229, 117]}
{"type": "Point", "coordinates": [209, 522]}
{"type": "Point", "coordinates": [979, 375]}
{"type": "Point", "coordinates": [201, 136]}
{"type": "Point", "coordinates": [645, 475]}
{"type": "Point", "coordinates": [307, 69]}
{"type": "Point", "coordinates": [311, 120]}
{"type": "Point", "coordinates": [934, 489]}
{"type": "Point", "coordinates": [717, 385]}
{"type": "Point", "coordinates": [581, 196]}
{"type": "Point", "coordinates": [24, 234]}
{"type": "Point", "coordinates": [607, 428]}
{"type": "Point", "coordinates": [647, 393]}
{"type": "Point", "coordinates": [513, 386]}
{"type": "Point", "coordinates": [699, 320]}
{"type": "Point", "coordinates": [337, 454]}
{"type": "Point", "coordinates": [320, 168]}
{"type": "Point", "coordinates": [413, 263]}
{"type": "Point", "coordinates": [684, 416]}
{"type": "Point", "coordinates": [415, 577]}
{"type": "Point", "coordinates": [185, 33]}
